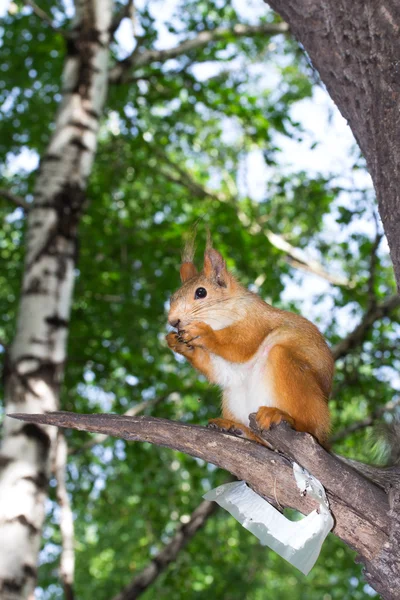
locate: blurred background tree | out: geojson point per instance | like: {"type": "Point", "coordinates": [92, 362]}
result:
{"type": "Point", "coordinates": [216, 130]}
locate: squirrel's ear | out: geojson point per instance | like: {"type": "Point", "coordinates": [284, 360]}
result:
{"type": "Point", "coordinates": [187, 271]}
{"type": "Point", "coordinates": [215, 267]}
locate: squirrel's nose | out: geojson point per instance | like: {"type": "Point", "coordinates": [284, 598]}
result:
{"type": "Point", "coordinates": [174, 323]}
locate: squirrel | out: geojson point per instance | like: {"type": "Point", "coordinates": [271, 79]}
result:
{"type": "Point", "coordinates": [267, 361]}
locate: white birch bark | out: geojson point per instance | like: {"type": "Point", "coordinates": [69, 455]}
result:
{"type": "Point", "coordinates": [35, 362]}
{"type": "Point", "coordinates": [67, 558]}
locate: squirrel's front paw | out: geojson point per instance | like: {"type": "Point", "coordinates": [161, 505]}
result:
{"type": "Point", "coordinates": [197, 334]}
{"type": "Point", "coordinates": [176, 343]}
{"type": "Point", "coordinates": [267, 416]}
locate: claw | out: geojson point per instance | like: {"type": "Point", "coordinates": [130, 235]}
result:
{"type": "Point", "coordinates": [237, 432]}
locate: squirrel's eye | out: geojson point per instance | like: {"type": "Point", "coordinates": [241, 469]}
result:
{"type": "Point", "coordinates": [200, 293]}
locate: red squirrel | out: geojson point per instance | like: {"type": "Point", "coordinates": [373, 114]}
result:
{"type": "Point", "coordinates": [267, 361]}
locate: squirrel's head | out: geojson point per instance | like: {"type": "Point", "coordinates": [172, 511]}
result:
{"type": "Point", "coordinates": [211, 295]}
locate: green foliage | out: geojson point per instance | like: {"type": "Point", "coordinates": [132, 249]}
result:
{"type": "Point", "coordinates": [174, 147]}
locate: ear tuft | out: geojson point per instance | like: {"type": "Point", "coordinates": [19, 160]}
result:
{"type": "Point", "coordinates": [215, 267]}
{"type": "Point", "coordinates": [187, 271]}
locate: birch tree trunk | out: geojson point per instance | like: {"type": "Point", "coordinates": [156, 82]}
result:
{"type": "Point", "coordinates": [36, 358]}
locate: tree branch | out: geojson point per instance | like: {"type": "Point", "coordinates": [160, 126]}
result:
{"type": "Point", "coordinates": [295, 257]}
{"type": "Point", "coordinates": [358, 506]}
{"type": "Point", "coordinates": [168, 554]}
{"type": "Point", "coordinates": [383, 568]}
{"type": "Point", "coordinates": [132, 412]}
{"type": "Point", "coordinates": [126, 12]}
{"type": "Point", "coordinates": [17, 200]}
{"type": "Point", "coordinates": [121, 72]}
{"type": "Point", "coordinates": [67, 559]}
{"type": "Point", "coordinates": [157, 565]}
{"type": "Point", "coordinates": [387, 408]}
{"type": "Point", "coordinates": [44, 16]}
{"type": "Point", "coordinates": [374, 313]}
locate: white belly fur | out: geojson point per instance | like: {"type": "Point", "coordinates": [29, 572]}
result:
{"type": "Point", "coordinates": [246, 386]}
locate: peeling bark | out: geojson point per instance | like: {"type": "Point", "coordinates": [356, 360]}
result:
{"type": "Point", "coordinates": [35, 361]}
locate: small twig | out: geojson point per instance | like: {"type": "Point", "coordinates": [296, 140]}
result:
{"type": "Point", "coordinates": [117, 298]}
{"type": "Point", "coordinates": [67, 558]}
{"type": "Point", "coordinates": [297, 260]}
{"type": "Point", "coordinates": [44, 16]}
{"type": "Point", "coordinates": [17, 200]}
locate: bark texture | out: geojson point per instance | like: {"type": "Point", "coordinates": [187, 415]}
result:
{"type": "Point", "coordinates": [35, 361]}
{"type": "Point", "coordinates": [360, 508]}
{"type": "Point", "coordinates": [355, 46]}
{"type": "Point", "coordinates": [366, 517]}
{"type": "Point", "coordinates": [67, 558]}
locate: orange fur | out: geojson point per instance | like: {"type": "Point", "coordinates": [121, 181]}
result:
{"type": "Point", "coordinates": [298, 392]}
{"type": "Point", "coordinates": [235, 325]}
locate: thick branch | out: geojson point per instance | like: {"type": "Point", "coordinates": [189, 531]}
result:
{"type": "Point", "coordinates": [17, 200]}
{"type": "Point", "coordinates": [121, 72]}
{"type": "Point", "coordinates": [359, 507]}
{"type": "Point", "coordinates": [383, 565]}
{"type": "Point", "coordinates": [169, 553]}
{"type": "Point", "coordinates": [132, 412]}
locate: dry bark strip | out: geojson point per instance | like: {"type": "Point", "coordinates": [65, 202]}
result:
{"type": "Point", "coordinates": [360, 508]}
{"type": "Point", "coordinates": [35, 361]}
